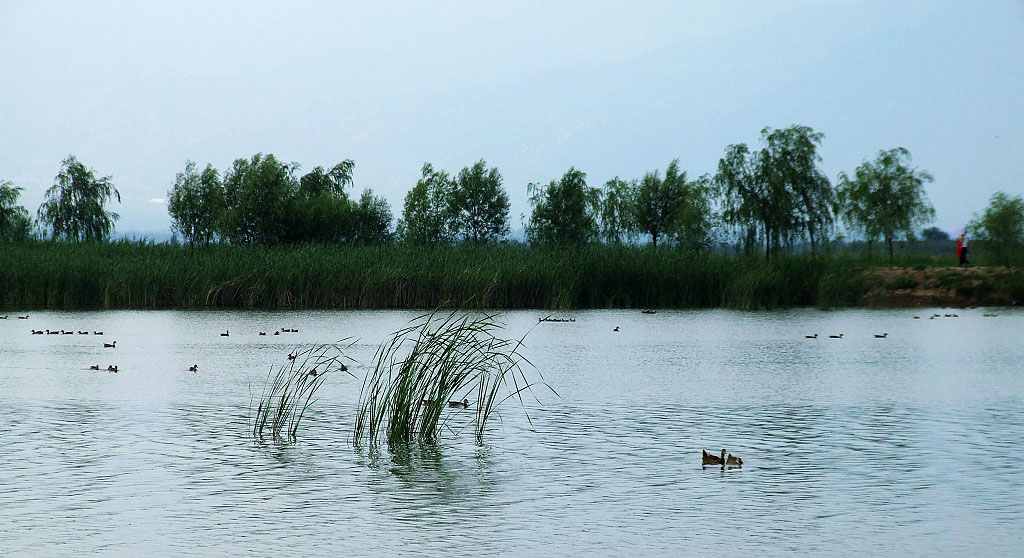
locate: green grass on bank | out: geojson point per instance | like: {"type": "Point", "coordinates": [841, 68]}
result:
{"type": "Point", "coordinates": [136, 275]}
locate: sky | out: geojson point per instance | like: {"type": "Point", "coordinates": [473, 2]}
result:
{"type": "Point", "coordinates": [136, 89]}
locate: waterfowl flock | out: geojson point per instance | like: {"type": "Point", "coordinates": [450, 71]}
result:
{"type": "Point", "coordinates": [113, 344]}
{"type": "Point", "coordinates": [885, 335]}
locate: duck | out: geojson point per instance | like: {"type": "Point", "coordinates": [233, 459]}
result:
{"type": "Point", "coordinates": [62, 332]}
{"type": "Point", "coordinates": [3, 317]}
{"type": "Point", "coordinates": [37, 332]}
{"type": "Point", "coordinates": [815, 336]}
{"type": "Point", "coordinates": [291, 356]}
{"type": "Point", "coordinates": [48, 332]}
{"type": "Point", "coordinates": [193, 368]}
{"type": "Point", "coordinates": [97, 333]}
{"type": "Point", "coordinates": [464, 404]}
{"type": "Point", "coordinates": [312, 372]}
{"type": "Point", "coordinates": [711, 459]}
{"type": "Point", "coordinates": [649, 312]}
{"type": "Point", "coordinates": [733, 461]}
{"type": "Point", "coordinates": [225, 334]}
{"type": "Point", "coordinates": [917, 317]}
{"type": "Point", "coordinates": [882, 336]}
{"type": "Point", "coordinates": [94, 367]}
{"type": "Point", "coordinates": [840, 336]}
{"type": "Point", "coordinates": [263, 333]}
{"type": "Point", "coordinates": [112, 368]}
{"type": "Point", "coordinates": [616, 328]}
{"type": "Point", "coordinates": [25, 317]}
{"type": "Point", "coordinates": [342, 367]}
{"type": "Point", "coordinates": [110, 345]}
{"type": "Point", "coordinates": [83, 332]}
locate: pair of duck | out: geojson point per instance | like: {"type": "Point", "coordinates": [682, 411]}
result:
{"type": "Point", "coordinates": [723, 460]}
{"type": "Point", "coordinates": [111, 368]}
{"type": "Point", "coordinates": [464, 404]}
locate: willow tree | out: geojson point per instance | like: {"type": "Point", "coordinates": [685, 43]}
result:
{"type": "Point", "coordinates": [322, 210]}
{"type": "Point", "coordinates": [1001, 225]}
{"type": "Point", "coordinates": [430, 215]}
{"type": "Point", "coordinates": [75, 206]}
{"type": "Point", "coordinates": [659, 201]}
{"type": "Point", "coordinates": [320, 182]}
{"type": "Point", "coordinates": [563, 211]}
{"type": "Point", "coordinates": [777, 195]}
{"type": "Point", "coordinates": [15, 223]}
{"type": "Point", "coordinates": [196, 204]}
{"type": "Point", "coordinates": [694, 223]}
{"type": "Point", "coordinates": [482, 204]}
{"type": "Point", "coordinates": [259, 194]}
{"type": "Point", "coordinates": [886, 198]}
{"type": "Point", "coordinates": [615, 214]}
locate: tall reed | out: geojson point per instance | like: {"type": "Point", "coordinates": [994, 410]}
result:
{"type": "Point", "coordinates": [289, 392]}
{"type": "Point", "coordinates": [137, 275]}
{"type": "Point", "coordinates": [435, 360]}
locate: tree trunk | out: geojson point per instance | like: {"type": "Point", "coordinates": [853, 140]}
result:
{"type": "Point", "coordinates": [889, 240]}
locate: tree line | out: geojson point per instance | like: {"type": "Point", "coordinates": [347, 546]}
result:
{"type": "Point", "coordinates": [770, 200]}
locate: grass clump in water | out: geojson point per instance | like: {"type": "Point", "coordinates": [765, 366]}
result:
{"type": "Point", "coordinates": [289, 392]}
{"type": "Point", "coordinates": [428, 366]}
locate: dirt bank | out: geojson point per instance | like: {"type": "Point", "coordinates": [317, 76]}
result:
{"type": "Point", "coordinates": [944, 286]}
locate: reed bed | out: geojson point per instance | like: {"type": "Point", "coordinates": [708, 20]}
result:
{"type": "Point", "coordinates": [290, 391]}
{"type": "Point", "coordinates": [138, 275]}
{"type": "Point", "coordinates": [426, 368]}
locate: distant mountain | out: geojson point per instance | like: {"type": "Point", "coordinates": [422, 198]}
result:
{"type": "Point", "coordinates": [159, 237]}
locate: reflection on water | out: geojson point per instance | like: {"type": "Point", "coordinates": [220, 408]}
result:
{"type": "Point", "coordinates": [908, 445]}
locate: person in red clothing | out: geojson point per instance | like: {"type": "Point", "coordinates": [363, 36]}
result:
{"type": "Point", "coordinates": [961, 248]}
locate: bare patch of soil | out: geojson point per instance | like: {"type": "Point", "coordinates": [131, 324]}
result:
{"type": "Point", "coordinates": [946, 286]}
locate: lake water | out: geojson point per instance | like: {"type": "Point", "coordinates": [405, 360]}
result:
{"type": "Point", "coordinates": [909, 445]}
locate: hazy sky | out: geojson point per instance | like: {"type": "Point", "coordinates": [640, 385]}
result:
{"type": "Point", "coordinates": [134, 89]}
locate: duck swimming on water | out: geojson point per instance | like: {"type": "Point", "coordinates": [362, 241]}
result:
{"type": "Point", "coordinates": [711, 459]}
